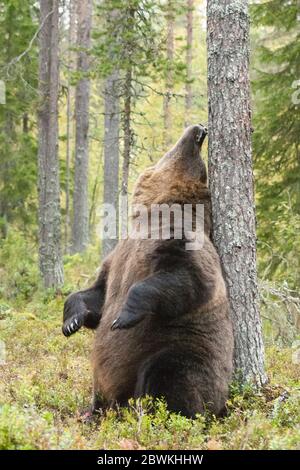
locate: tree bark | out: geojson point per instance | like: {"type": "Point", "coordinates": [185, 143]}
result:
{"type": "Point", "coordinates": [111, 152]}
{"type": "Point", "coordinates": [70, 65]}
{"type": "Point", "coordinates": [127, 140]}
{"type": "Point", "coordinates": [169, 77]}
{"type": "Point", "coordinates": [9, 133]}
{"type": "Point", "coordinates": [128, 47]}
{"type": "Point", "coordinates": [80, 228]}
{"type": "Point", "coordinates": [231, 177]}
{"type": "Point", "coordinates": [189, 58]}
{"type": "Point", "coordinates": [50, 261]}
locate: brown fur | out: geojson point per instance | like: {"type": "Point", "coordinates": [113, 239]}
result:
{"type": "Point", "coordinates": [188, 357]}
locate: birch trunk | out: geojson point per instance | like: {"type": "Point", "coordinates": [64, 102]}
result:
{"type": "Point", "coordinates": [80, 228]}
{"type": "Point", "coordinates": [50, 261]}
{"type": "Point", "coordinates": [231, 177]}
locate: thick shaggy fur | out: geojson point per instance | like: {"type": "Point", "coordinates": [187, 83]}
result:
{"type": "Point", "coordinates": [161, 311]}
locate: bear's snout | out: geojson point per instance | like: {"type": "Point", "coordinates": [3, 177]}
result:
{"type": "Point", "coordinates": [201, 133]}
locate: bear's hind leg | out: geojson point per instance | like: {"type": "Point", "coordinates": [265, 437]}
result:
{"type": "Point", "coordinates": [175, 377]}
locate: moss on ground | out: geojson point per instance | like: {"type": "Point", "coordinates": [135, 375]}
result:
{"type": "Point", "coordinates": [46, 383]}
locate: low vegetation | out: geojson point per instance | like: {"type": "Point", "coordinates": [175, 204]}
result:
{"type": "Point", "coordinates": [46, 382]}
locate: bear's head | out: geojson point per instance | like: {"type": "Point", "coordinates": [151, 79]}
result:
{"type": "Point", "coordinates": [179, 177]}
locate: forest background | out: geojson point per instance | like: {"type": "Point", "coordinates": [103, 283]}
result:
{"type": "Point", "coordinates": [160, 87]}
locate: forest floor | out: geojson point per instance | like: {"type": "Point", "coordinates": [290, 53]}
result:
{"type": "Point", "coordinates": [46, 383]}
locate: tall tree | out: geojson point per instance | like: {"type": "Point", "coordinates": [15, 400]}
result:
{"type": "Point", "coordinates": [276, 143]}
{"type": "Point", "coordinates": [231, 178]}
{"type": "Point", "coordinates": [111, 151]}
{"type": "Point", "coordinates": [69, 112]}
{"type": "Point", "coordinates": [49, 205]}
{"type": "Point", "coordinates": [169, 75]}
{"type": "Point", "coordinates": [18, 69]}
{"type": "Point", "coordinates": [189, 59]}
{"type": "Point", "coordinates": [80, 228]}
{"type": "Point", "coordinates": [127, 140]}
{"type": "Point", "coordinates": [128, 43]}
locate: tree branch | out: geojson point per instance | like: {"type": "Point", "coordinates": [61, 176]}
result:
{"type": "Point", "coordinates": [17, 59]}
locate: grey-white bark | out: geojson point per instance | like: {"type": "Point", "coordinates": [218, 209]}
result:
{"type": "Point", "coordinates": [80, 227]}
{"type": "Point", "coordinates": [50, 260]}
{"type": "Point", "coordinates": [189, 58]}
{"type": "Point", "coordinates": [231, 177]}
{"type": "Point", "coordinates": [111, 152]}
{"type": "Point", "coordinates": [167, 115]}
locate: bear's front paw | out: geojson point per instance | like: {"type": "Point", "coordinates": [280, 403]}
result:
{"type": "Point", "coordinates": [71, 326]}
{"type": "Point", "coordinates": [127, 319]}
{"type": "Point", "coordinates": [74, 314]}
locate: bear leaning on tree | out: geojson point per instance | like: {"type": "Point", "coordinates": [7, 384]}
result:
{"type": "Point", "coordinates": [161, 311]}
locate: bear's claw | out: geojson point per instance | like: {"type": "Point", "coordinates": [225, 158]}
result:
{"type": "Point", "coordinates": [74, 314]}
{"type": "Point", "coordinates": [70, 326]}
{"type": "Point", "coordinates": [126, 320]}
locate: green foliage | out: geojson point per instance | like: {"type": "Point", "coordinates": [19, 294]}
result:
{"type": "Point", "coordinates": [46, 384]}
{"type": "Point", "coordinates": [17, 139]}
{"type": "Point", "coordinates": [276, 138]}
{"type": "Point", "coordinates": [280, 310]}
{"type": "Point", "coordinates": [128, 37]}
{"type": "Point", "coordinates": [20, 281]}
{"type": "Point", "coordinates": [46, 380]}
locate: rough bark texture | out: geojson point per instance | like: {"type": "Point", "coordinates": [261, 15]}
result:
{"type": "Point", "coordinates": [48, 178]}
{"type": "Point", "coordinates": [127, 121]}
{"type": "Point", "coordinates": [127, 132]}
{"type": "Point", "coordinates": [189, 58]}
{"type": "Point", "coordinates": [70, 64]}
{"type": "Point", "coordinates": [9, 133]}
{"type": "Point", "coordinates": [80, 229]}
{"type": "Point", "coordinates": [169, 78]}
{"type": "Point", "coordinates": [111, 152]}
{"type": "Point", "coordinates": [231, 178]}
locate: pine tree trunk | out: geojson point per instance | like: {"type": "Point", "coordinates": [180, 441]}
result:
{"type": "Point", "coordinates": [128, 47]}
{"type": "Point", "coordinates": [9, 131]}
{"type": "Point", "coordinates": [70, 64]}
{"type": "Point", "coordinates": [169, 78]}
{"type": "Point", "coordinates": [111, 152]}
{"type": "Point", "coordinates": [50, 261]}
{"type": "Point", "coordinates": [127, 139]}
{"type": "Point", "coordinates": [189, 58]}
{"type": "Point", "coordinates": [231, 177]}
{"type": "Point", "coordinates": [80, 228]}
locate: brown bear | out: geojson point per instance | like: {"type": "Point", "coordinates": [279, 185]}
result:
{"type": "Point", "coordinates": [160, 310]}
